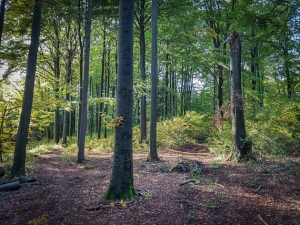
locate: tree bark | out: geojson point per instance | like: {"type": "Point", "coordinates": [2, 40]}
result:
{"type": "Point", "coordinates": [121, 182]}
{"type": "Point", "coordinates": [83, 120]}
{"type": "Point", "coordinates": [10, 186]}
{"type": "Point", "coordinates": [18, 167]}
{"type": "Point", "coordinates": [143, 112]}
{"type": "Point", "coordinates": [153, 155]}
{"type": "Point", "coordinates": [66, 122]}
{"type": "Point", "coordinates": [81, 47]}
{"type": "Point", "coordinates": [2, 10]}
{"type": "Point", "coordinates": [240, 144]}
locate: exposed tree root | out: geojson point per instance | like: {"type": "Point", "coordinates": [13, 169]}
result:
{"type": "Point", "coordinates": [111, 205]}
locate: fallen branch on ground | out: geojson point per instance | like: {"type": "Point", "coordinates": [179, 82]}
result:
{"type": "Point", "coordinates": [261, 219]}
{"type": "Point", "coordinates": [219, 184]}
{"type": "Point", "coordinates": [15, 185]}
{"type": "Point", "coordinates": [257, 190]}
{"type": "Point", "coordinates": [189, 181]}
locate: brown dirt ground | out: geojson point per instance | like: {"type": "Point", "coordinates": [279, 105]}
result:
{"type": "Point", "coordinates": [233, 194]}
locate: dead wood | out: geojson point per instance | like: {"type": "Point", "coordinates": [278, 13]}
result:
{"type": "Point", "coordinates": [15, 185]}
{"type": "Point", "coordinates": [261, 219]}
{"type": "Point", "coordinates": [257, 190]}
{"type": "Point", "coordinates": [189, 181]}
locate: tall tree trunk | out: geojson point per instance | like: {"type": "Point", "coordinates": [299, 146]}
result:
{"type": "Point", "coordinates": [103, 60]}
{"type": "Point", "coordinates": [81, 157]}
{"type": "Point", "coordinates": [66, 120]}
{"type": "Point", "coordinates": [240, 144]}
{"type": "Point", "coordinates": [166, 89]}
{"type": "Point", "coordinates": [91, 110]}
{"type": "Point", "coordinates": [81, 47]}
{"type": "Point", "coordinates": [153, 155]}
{"type": "Point", "coordinates": [143, 112]}
{"type": "Point", "coordinates": [18, 167]}
{"type": "Point", "coordinates": [121, 182]}
{"type": "Point", "coordinates": [107, 88]}
{"type": "Point", "coordinates": [57, 106]}
{"type": "Point", "coordinates": [2, 10]}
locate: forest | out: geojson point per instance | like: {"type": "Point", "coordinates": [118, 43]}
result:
{"type": "Point", "coordinates": [150, 112]}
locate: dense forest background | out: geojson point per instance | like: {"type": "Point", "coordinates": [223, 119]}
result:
{"type": "Point", "coordinates": [193, 74]}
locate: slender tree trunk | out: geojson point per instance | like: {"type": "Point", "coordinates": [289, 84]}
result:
{"type": "Point", "coordinates": [153, 155]}
{"type": "Point", "coordinates": [2, 10]}
{"type": "Point", "coordinates": [240, 144]}
{"type": "Point", "coordinates": [91, 110]}
{"type": "Point", "coordinates": [103, 60]}
{"type": "Point", "coordinates": [166, 89]}
{"type": "Point", "coordinates": [143, 112]}
{"type": "Point", "coordinates": [18, 167]}
{"type": "Point", "coordinates": [107, 88]}
{"type": "Point", "coordinates": [81, 46]}
{"type": "Point", "coordinates": [57, 106]}
{"type": "Point", "coordinates": [81, 157]}
{"type": "Point", "coordinates": [66, 120]}
{"type": "Point", "coordinates": [121, 182]}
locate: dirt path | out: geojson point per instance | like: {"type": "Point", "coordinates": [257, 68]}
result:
{"type": "Point", "coordinates": [224, 193]}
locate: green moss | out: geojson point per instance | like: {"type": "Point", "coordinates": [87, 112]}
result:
{"type": "Point", "coordinates": [112, 194]}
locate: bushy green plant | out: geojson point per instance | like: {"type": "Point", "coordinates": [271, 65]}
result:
{"type": "Point", "coordinates": [180, 130]}
{"type": "Point", "coordinates": [220, 142]}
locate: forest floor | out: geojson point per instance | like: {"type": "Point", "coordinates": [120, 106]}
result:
{"type": "Point", "coordinates": [220, 192]}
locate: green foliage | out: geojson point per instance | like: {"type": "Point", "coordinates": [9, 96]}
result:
{"type": "Point", "coordinates": [196, 171]}
{"type": "Point", "coordinates": [180, 130]}
{"type": "Point", "coordinates": [290, 166]}
{"type": "Point", "coordinates": [223, 196]}
{"type": "Point", "coordinates": [265, 170]}
{"type": "Point", "coordinates": [216, 165]}
{"type": "Point", "coordinates": [41, 220]}
{"type": "Point", "coordinates": [208, 181]}
{"type": "Point", "coordinates": [88, 166]}
{"type": "Point", "coordinates": [250, 181]}
{"type": "Point", "coordinates": [220, 142]}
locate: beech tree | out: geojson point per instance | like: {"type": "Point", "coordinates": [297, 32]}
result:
{"type": "Point", "coordinates": [240, 144]}
{"type": "Point", "coordinates": [153, 155]}
{"type": "Point", "coordinates": [121, 181]}
{"type": "Point", "coordinates": [2, 9]}
{"type": "Point", "coordinates": [83, 118]}
{"type": "Point", "coordinates": [18, 167]}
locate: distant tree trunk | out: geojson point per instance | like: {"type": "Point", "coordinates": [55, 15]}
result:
{"type": "Point", "coordinates": [107, 89]}
{"type": "Point", "coordinates": [81, 47]}
{"type": "Point", "coordinates": [80, 157]}
{"type": "Point", "coordinates": [103, 60]}
{"type": "Point", "coordinates": [18, 167]}
{"type": "Point", "coordinates": [166, 89]}
{"type": "Point", "coordinates": [2, 9]}
{"type": "Point", "coordinates": [153, 155]}
{"type": "Point", "coordinates": [56, 88]}
{"type": "Point", "coordinates": [66, 120]}
{"type": "Point", "coordinates": [91, 110]}
{"type": "Point", "coordinates": [121, 182]}
{"type": "Point", "coordinates": [143, 112]}
{"type": "Point", "coordinates": [240, 144]}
